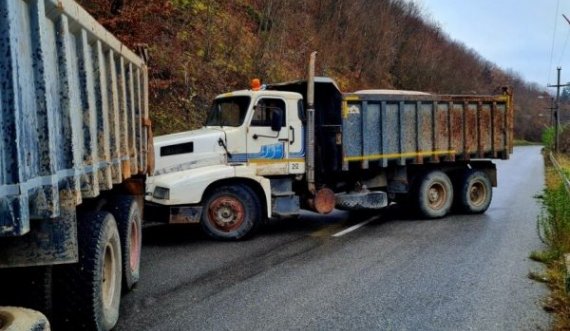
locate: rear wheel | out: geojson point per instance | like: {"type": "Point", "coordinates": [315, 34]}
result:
{"type": "Point", "coordinates": [231, 212]}
{"type": "Point", "coordinates": [126, 211]}
{"type": "Point", "coordinates": [89, 292]}
{"type": "Point", "coordinates": [474, 192]}
{"type": "Point", "coordinates": [434, 194]}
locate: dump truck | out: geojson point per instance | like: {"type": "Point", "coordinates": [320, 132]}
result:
{"type": "Point", "coordinates": [75, 148]}
{"type": "Point", "coordinates": [273, 150]}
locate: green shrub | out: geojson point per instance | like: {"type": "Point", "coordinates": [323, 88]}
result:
{"type": "Point", "coordinates": [548, 137]}
{"type": "Point", "coordinates": [554, 221]}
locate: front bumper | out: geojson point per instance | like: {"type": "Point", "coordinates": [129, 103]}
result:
{"type": "Point", "coordinates": [172, 214]}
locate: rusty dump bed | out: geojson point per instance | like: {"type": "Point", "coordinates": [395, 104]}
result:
{"type": "Point", "coordinates": [73, 104]}
{"type": "Point", "coordinates": [407, 127]}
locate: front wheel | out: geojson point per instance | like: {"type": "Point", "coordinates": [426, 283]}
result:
{"type": "Point", "coordinates": [434, 194]}
{"type": "Point", "coordinates": [231, 212]}
{"type": "Point", "coordinates": [474, 192]}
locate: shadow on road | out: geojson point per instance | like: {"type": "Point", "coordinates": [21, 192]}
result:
{"type": "Point", "coordinates": [307, 223]}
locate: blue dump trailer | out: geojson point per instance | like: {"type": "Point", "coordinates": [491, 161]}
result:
{"type": "Point", "coordinates": [75, 148]}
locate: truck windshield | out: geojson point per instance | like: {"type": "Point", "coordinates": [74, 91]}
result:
{"type": "Point", "coordinates": [228, 111]}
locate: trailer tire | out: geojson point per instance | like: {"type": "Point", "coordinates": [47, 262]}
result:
{"type": "Point", "coordinates": [434, 195]}
{"type": "Point", "coordinates": [474, 192]}
{"type": "Point", "coordinates": [88, 293]}
{"type": "Point", "coordinates": [126, 211]}
{"type": "Point", "coordinates": [22, 319]}
{"type": "Point", "coordinates": [30, 287]}
{"type": "Point", "coordinates": [231, 212]}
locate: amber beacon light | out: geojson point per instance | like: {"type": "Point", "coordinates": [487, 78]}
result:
{"type": "Point", "coordinates": [255, 84]}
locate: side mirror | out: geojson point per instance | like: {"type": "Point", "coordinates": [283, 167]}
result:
{"type": "Point", "coordinates": [276, 120]}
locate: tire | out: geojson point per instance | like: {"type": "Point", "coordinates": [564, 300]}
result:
{"type": "Point", "coordinates": [434, 195]}
{"type": "Point", "coordinates": [88, 293]}
{"type": "Point", "coordinates": [127, 213]}
{"type": "Point", "coordinates": [22, 319]}
{"type": "Point", "coordinates": [30, 287]}
{"type": "Point", "coordinates": [474, 192]}
{"type": "Point", "coordinates": [231, 213]}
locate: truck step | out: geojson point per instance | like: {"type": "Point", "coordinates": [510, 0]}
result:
{"type": "Point", "coordinates": [285, 205]}
{"type": "Point", "coordinates": [282, 194]}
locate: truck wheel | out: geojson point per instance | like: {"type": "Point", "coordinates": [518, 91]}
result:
{"type": "Point", "coordinates": [88, 293]}
{"type": "Point", "coordinates": [30, 287]}
{"type": "Point", "coordinates": [474, 192]}
{"type": "Point", "coordinates": [434, 195]}
{"type": "Point", "coordinates": [22, 319]}
{"type": "Point", "coordinates": [231, 213]}
{"type": "Point", "coordinates": [126, 211]}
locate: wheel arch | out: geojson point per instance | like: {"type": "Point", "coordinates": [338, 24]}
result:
{"type": "Point", "coordinates": [261, 189]}
{"type": "Point", "coordinates": [488, 167]}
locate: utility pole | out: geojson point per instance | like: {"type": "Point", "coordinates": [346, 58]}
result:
{"type": "Point", "coordinates": [551, 109]}
{"type": "Point", "coordinates": [557, 110]}
{"type": "Point", "coordinates": [557, 105]}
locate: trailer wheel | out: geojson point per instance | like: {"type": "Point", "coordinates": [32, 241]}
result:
{"type": "Point", "coordinates": [126, 211]}
{"type": "Point", "coordinates": [474, 192]}
{"type": "Point", "coordinates": [22, 319]}
{"type": "Point", "coordinates": [89, 292]}
{"type": "Point", "coordinates": [231, 212]}
{"type": "Point", "coordinates": [30, 287]}
{"type": "Point", "coordinates": [434, 194]}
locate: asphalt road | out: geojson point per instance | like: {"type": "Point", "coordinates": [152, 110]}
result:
{"type": "Point", "coordinates": [393, 273]}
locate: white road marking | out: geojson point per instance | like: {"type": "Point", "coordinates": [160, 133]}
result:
{"type": "Point", "coordinates": [352, 228]}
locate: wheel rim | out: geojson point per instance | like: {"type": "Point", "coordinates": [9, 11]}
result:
{"type": "Point", "coordinates": [3, 321]}
{"type": "Point", "coordinates": [437, 196]}
{"type": "Point", "coordinates": [226, 213]}
{"type": "Point", "coordinates": [477, 193]}
{"type": "Point", "coordinates": [108, 284]}
{"type": "Point", "coordinates": [134, 246]}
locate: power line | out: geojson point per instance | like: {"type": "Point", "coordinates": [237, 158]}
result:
{"type": "Point", "coordinates": [553, 39]}
{"type": "Point", "coordinates": [565, 41]}
{"type": "Point", "coordinates": [564, 47]}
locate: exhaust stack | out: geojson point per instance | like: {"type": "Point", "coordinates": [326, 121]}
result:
{"type": "Point", "coordinates": [310, 157]}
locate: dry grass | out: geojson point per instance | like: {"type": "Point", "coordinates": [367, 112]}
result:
{"type": "Point", "coordinates": [554, 229]}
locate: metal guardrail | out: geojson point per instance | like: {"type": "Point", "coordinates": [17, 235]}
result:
{"type": "Point", "coordinates": [560, 172]}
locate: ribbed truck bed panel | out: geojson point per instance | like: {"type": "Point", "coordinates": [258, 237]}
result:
{"type": "Point", "coordinates": [413, 129]}
{"type": "Point", "coordinates": [73, 104]}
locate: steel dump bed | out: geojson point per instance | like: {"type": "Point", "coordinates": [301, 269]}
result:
{"type": "Point", "coordinates": [73, 104]}
{"type": "Point", "coordinates": [382, 127]}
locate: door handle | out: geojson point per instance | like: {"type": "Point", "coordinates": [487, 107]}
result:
{"type": "Point", "coordinates": [255, 136]}
{"type": "Point", "coordinates": [292, 134]}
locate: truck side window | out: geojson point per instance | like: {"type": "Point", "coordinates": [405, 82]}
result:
{"type": "Point", "coordinates": [265, 109]}
{"type": "Point", "coordinates": [301, 110]}
{"type": "Point", "coordinates": [228, 111]}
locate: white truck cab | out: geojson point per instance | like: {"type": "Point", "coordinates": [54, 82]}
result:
{"type": "Point", "coordinates": [249, 137]}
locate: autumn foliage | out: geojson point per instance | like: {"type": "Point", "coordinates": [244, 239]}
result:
{"type": "Point", "coordinates": [200, 48]}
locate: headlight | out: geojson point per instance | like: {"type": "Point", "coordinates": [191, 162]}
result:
{"type": "Point", "coordinates": [161, 193]}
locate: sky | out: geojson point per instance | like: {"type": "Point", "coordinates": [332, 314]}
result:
{"type": "Point", "coordinates": [514, 34]}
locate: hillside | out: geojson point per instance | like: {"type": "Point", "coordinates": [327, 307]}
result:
{"type": "Point", "coordinates": [200, 48]}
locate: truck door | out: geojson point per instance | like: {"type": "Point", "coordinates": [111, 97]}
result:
{"type": "Point", "coordinates": [268, 137]}
{"type": "Point", "coordinates": [295, 114]}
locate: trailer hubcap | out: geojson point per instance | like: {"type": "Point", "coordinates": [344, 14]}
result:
{"type": "Point", "coordinates": [134, 246]}
{"type": "Point", "coordinates": [477, 193]}
{"type": "Point", "coordinates": [437, 195]}
{"type": "Point", "coordinates": [108, 284]}
{"type": "Point", "coordinates": [227, 213]}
